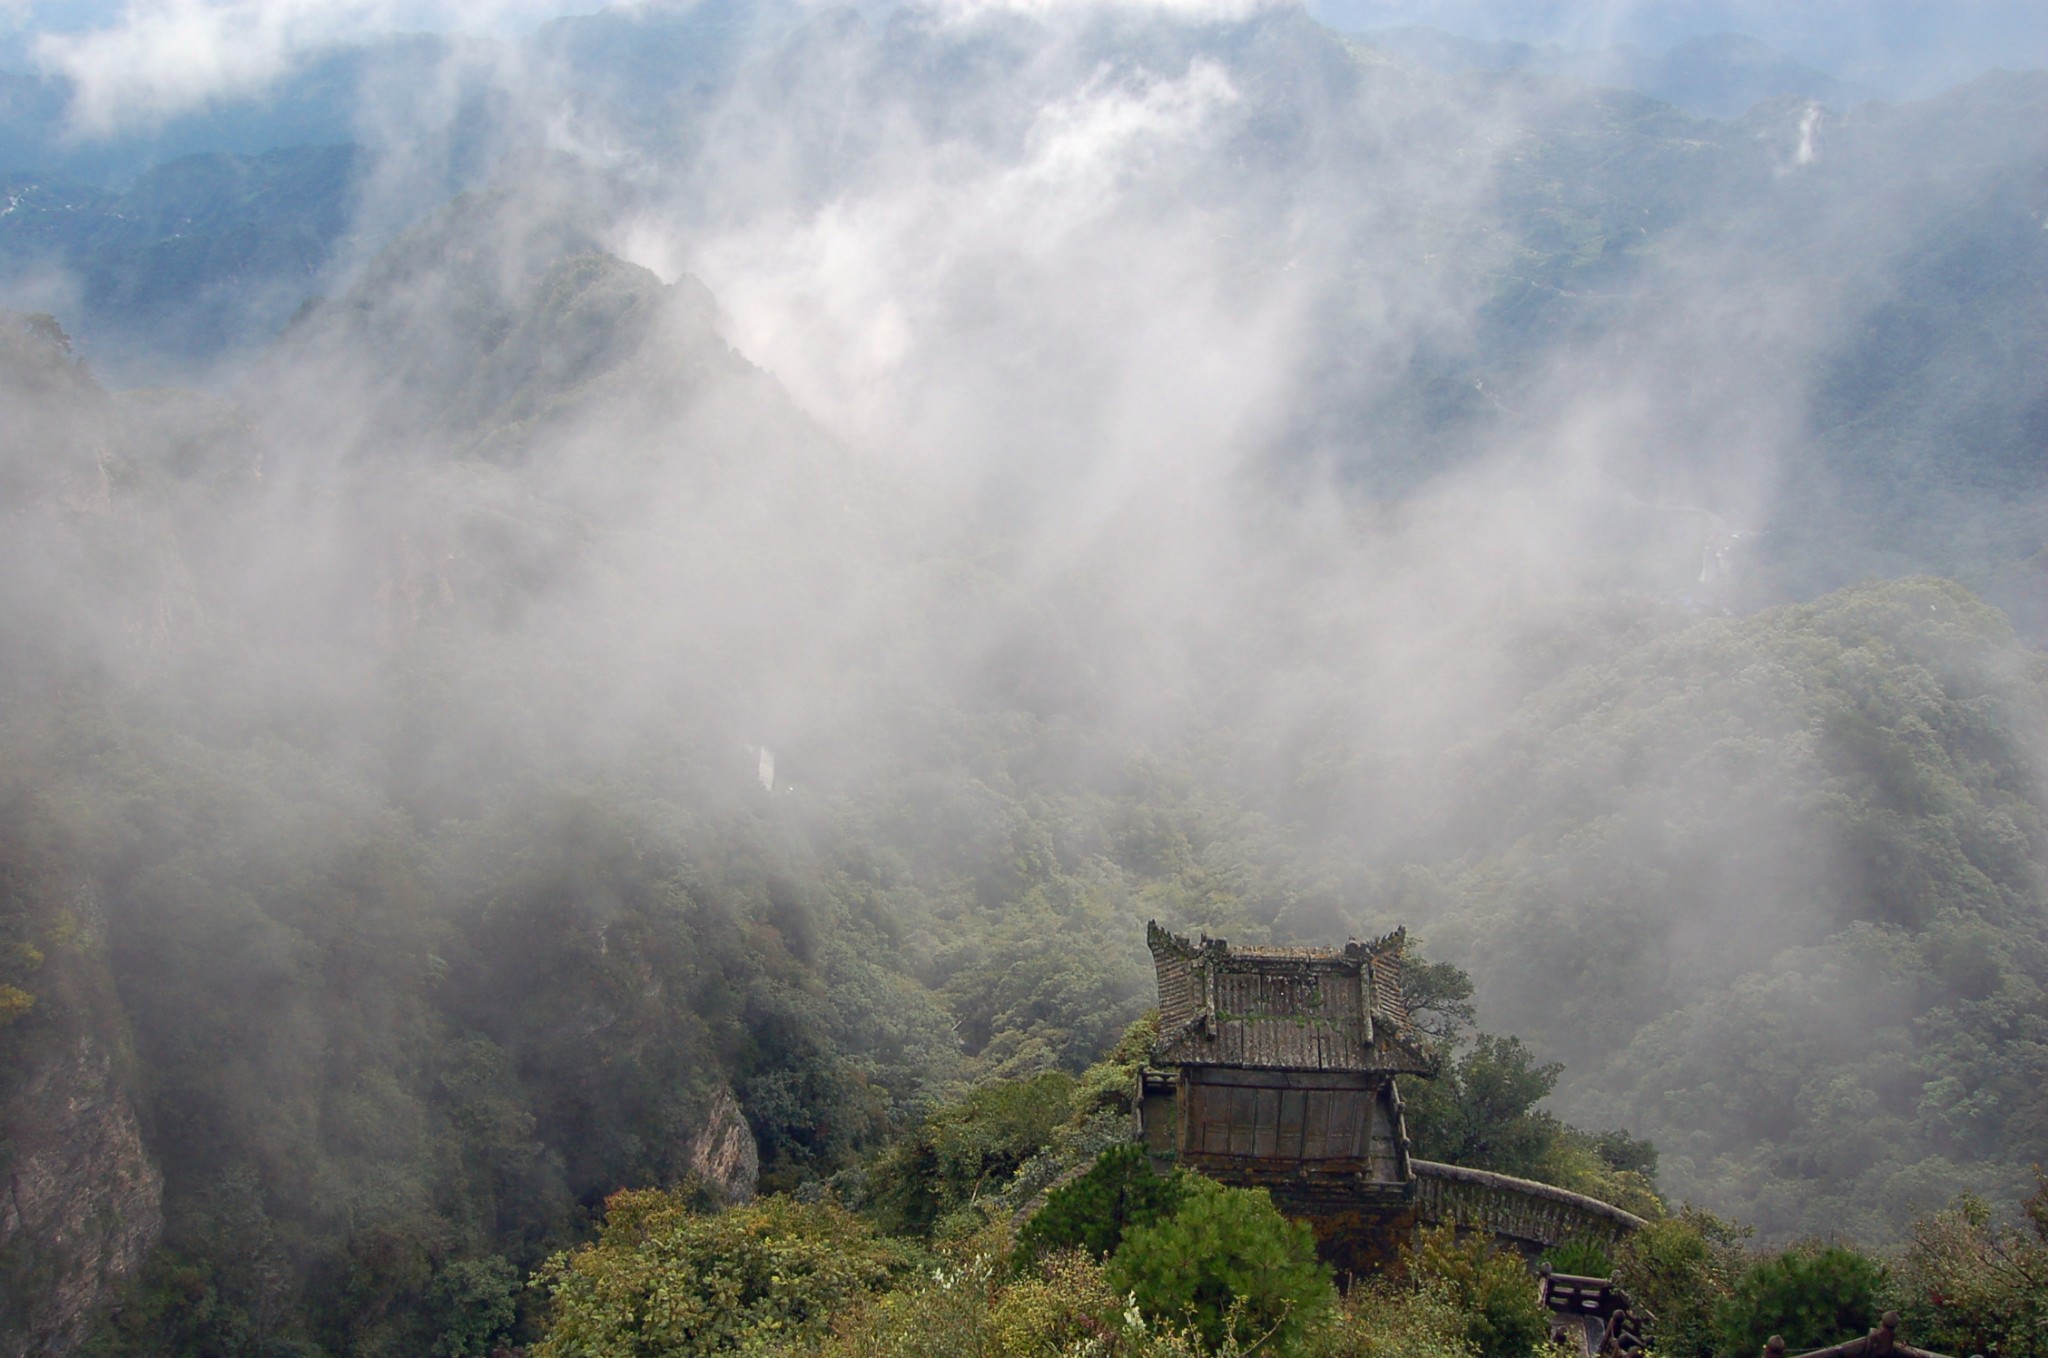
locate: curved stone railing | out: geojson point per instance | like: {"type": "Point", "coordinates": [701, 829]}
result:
{"type": "Point", "coordinates": [1514, 1209]}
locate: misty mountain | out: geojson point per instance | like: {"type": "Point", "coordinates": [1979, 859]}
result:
{"type": "Point", "coordinates": [1724, 74]}
{"type": "Point", "coordinates": [184, 532]}
{"type": "Point", "coordinates": [1559, 257]}
{"type": "Point", "coordinates": [1552, 257]}
{"type": "Point", "coordinates": [1714, 75]}
{"type": "Point", "coordinates": [1726, 835]}
{"type": "Point", "coordinates": [661, 59]}
{"type": "Point", "coordinates": [175, 247]}
{"type": "Point", "coordinates": [723, 631]}
{"type": "Point", "coordinates": [199, 259]}
{"type": "Point", "coordinates": [1896, 49]}
{"type": "Point", "coordinates": [348, 93]}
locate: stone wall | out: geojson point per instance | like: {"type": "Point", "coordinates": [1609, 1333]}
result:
{"type": "Point", "coordinates": [1520, 1212]}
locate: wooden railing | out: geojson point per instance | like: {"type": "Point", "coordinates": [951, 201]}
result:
{"type": "Point", "coordinates": [1514, 1209]}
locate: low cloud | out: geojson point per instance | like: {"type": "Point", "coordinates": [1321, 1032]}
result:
{"type": "Point", "coordinates": [165, 57]}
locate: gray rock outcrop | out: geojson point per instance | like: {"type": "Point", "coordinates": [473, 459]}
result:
{"type": "Point", "coordinates": [81, 1204]}
{"type": "Point", "coordinates": [723, 1154]}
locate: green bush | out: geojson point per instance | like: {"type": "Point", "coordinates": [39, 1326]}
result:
{"type": "Point", "coordinates": [1812, 1295]}
{"type": "Point", "coordinates": [1481, 1109]}
{"type": "Point", "coordinates": [1582, 1258]}
{"type": "Point", "coordinates": [663, 1281]}
{"type": "Point", "coordinates": [1228, 1265]}
{"type": "Point", "coordinates": [966, 1150]}
{"type": "Point", "coordinates": [971, 1307]}
{"type": "Point", "coordinates": [1970, 1284]}
{"type": "Point", "coordinates": [1492, 1289]}
{"type": "Point", "coordinates": [1382, 1318]}
{"type": "Point", "coordinates": [1094, 1211]}
{"type": "Point", "coordinates": [472, 1304]}
{"type": "Point", "coordinates": [1682, 1269]}
{"type": "Point", "coordinates": [1110, 1085]}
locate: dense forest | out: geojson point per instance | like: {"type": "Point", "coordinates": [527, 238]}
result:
{"type": "Point", "coordinates": [593, 781]}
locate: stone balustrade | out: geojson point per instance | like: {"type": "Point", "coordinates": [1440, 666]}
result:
{"type": "Point", "coordinates": [1520, 1210]}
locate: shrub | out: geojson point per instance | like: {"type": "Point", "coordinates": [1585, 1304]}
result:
{"type": "Point", "coordinates": [967, 1149]}
{"type": "Point", "coordinates": [1481, 1109]}
{"type": "Point", "coordinates": [1492, 1289]}
{"type": "Point", "coordinates": [1574, 1160]}
{"type": "Point", "coordinates": [936, 1313]}
{"type": "Point", "coordinates": [472, 1303]}
{"type": "Point", "coordinates": [971, 1308]}
{"type": "Point", "coordinates": [1064, 1305]}
{"type": "Point", "coordinates": [1812, 1295]}
{"type": "Point", "coordinates": [663, 1281]}
{"type": "Point", "coordinates": [1227, 1265]}
{"type": "Point", "coordinates": [1968, 1284]}
{"type": "Point", "coordinates": [1094, 1211]}
{"type": "Point", "coordinates": [1583, 1258]}
{"type": "Point", "coordinates": [1682, 1269]}
{"type": "Point", "coordinates": [1383, 1319]}
{"type": "Point", "coordinates": [1110, 1084]}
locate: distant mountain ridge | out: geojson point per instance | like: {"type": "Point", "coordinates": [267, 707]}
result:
{"type": "Point", "coordinates": [199, 259]}
{"type": "Point", "coordinates": [1714, 75]}
{"type": "Point", "coordinates": [332, 95]}
{"type": "Point", "coordinates": [1578, 228]}
{"type": "Point", "coordinates": [1895, 49]}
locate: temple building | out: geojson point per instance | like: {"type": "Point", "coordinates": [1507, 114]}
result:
{"type": "Point", "coordinates": [1277, 1065]}
{"type": "Point", "coordinates": [1275, 1069]}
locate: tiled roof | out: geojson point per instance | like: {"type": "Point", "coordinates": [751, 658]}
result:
{"type": "Point", "coordinates": [1283, 1008]}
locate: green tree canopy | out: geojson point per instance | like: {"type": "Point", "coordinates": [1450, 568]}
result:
{"type": "Point", "coordinates": [1812, 1295]}
{"type": "Point", "coordinates": [1095, 1210]}
{"type": "Point", "coordinates": [966, 1149]}
{"type": "Point", "coordinates": [1229, 1265]}
{"type": "Point", "coordinates": [665, 1281]}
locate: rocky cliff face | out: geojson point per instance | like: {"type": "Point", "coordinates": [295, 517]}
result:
{"type": "Point", "coordinates": [81, 1201]}
{"type": "Point", "coordinates": [723, 1154]}
{"type": "Point", "coordinates": [81, 1204]}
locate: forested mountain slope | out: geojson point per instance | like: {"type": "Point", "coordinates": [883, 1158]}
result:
{"type": "Point", "coordinates": [1773, 890]}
